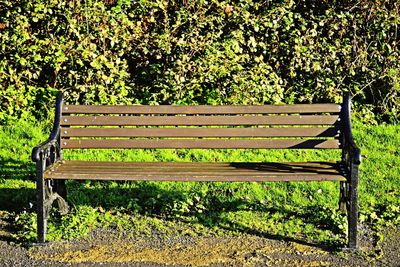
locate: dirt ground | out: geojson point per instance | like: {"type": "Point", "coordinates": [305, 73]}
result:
{"type": "Point", "coordinates": [103, 248]}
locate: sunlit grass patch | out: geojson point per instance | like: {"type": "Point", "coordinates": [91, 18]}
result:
{"type": "Point", "coordinates": [304, 211]}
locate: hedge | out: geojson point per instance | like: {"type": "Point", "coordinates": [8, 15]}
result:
{"type": "Point", "coordinates": [199, 52]}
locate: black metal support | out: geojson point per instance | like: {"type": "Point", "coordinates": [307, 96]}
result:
{"type": "Point", "coordinates": [41, 196]}
{"type": "Point", "coordinates": [45, 155]}
{"type": "Point", "coordinates": [54, 135]}
{"type": "Point", "coordinates": [344, 196]}
{"type": "Point", "coordinates": [60, 188]}
{"type": "Point", "coordinates": [353, 207]}
{"type": "Point", "coordinates": [351, 159]}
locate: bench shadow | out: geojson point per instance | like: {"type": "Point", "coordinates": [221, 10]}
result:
{"type": "Point", "coordinates": [289, 168]}
{"type": "Point", "coordinates": [151, 200]}
{"type": "Point", "coordinates": [309, 215]}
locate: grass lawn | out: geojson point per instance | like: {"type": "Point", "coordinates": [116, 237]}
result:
{"type": "Point", "coordinates": [301, 211]}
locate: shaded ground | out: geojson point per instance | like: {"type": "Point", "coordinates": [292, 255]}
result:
{"type": "Point", "coordinates": [105, 248]}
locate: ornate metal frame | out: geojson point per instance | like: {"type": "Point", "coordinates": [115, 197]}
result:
{"type": "Point", "coordinates": [45, 155]}
{"type": "Point", "coordinates": [351, 159]}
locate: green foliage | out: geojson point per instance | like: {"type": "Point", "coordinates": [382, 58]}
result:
{"type": "Point", "coordinates": [202, 51]}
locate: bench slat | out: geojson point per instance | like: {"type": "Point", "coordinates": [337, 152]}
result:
{"type": "Point", "coordinates": [198, 171]}
{"type": "Point", "coordinates": [161, 171]}
{"type": "Point", "coordinates": [202, 109]}
{"type": "Point", "coordinates": [188, 167]}
{"type": "Point", "coordinates": [199, 132]}
{"type": "Point", "coordinates": [199, 143]}
{"type": "Point", "coordinates": [157, 165]}
{"type": "Point", "coordinates": [200, 178]}
{"type": "Point", "coordinates": [197, 120]}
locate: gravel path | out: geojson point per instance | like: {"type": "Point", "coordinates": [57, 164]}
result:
{"type": "Point", "coordinates": [102, 248]}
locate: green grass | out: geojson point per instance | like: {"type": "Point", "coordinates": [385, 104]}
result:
{"type": "Point", "coordinates": [301, 211]}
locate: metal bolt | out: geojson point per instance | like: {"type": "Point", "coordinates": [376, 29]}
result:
{"type": "Point", "coordinates": [65, 132]}
{"type": "Point", "coordinates": [338, 131]}
{"type": "Point", "coordinates": [65, 143]}
{"type": "Point", "coordinates": [339, 107]}
{"type": "Point", "coordinates": [66, 108]}
{"type": "Point", "coordinates": [338, 119]}
{"type": "Point", "coordinates": [65, 120]}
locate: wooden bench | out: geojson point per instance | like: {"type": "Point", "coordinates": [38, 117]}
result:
{"type": "Point", "coordinates": [301, 126]}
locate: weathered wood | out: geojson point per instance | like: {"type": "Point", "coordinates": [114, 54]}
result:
{"type": "Point", "coordinates": [167, 109]}
{"type": "Point", "coordinates": [188, 170]}
{"type": "Point", "coordinates": [198, 177]}
{"type": "Point", "coordinates": [194, 165]}
{"type": "Point", "coordinates": [199, 143]}
{"type": "Point", "coordinates": [200, 132]}
{"type": "Point", "coordinates": [180, 173]}
{"type": "Point", "coordinates": [198, 120]}
{"type": "Point", "coordinates": [200, 171]}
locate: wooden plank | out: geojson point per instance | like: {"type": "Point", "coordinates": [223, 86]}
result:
{"type": "Point", "coordinates": [198, 143]}
{"type": "Point", "coordinates": [189, 167]}
{"type": "Point", "coordinates": [150, 163]}
{"type": "Point", "coordinates": [198, 120]}
{"type": "Point", "coordinates": [195, 167]}
{"type": "Point", "coordinates": [196, 171]}
{"type": "Point", "coordinates": [231, 171]}
{"type": "Point", "coordinates": [90, 166]}
{"type": "Point", "coordinates": [203, 109]}
{"type": "Point", "coordinates": [126, 164]}
{"type": "Point", "coordinates": [198, 166]}
{"type": "Point", "coordinates": [199, 132]}
{"type": "Point", "coordinates": [196, 177]}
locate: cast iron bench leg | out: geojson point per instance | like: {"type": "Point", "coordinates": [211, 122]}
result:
{"type": "Point", "coordinates": [344, 196]}
{"type": "Point", "coordinates": [60, 189]}
{"type": "Point", "coordinates": [353, 207]}
{"type": "Point", "coordinates": [41, 212]}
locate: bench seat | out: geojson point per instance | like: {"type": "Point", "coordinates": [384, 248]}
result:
{"type": "Point", "coordinates": [196, 171]}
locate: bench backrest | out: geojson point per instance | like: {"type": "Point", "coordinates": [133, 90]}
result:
{"type": "Point", "coordinates": [139, 126]}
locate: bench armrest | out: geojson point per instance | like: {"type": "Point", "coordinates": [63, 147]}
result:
{"type": "Point", "coordinates": [50, 149]}
{"type": "Point", "coordinates": [351, 152]}
{"type": "Point", "coordinates": [43, 149]}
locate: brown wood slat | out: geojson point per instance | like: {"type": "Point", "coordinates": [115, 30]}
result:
{"type": "Point", "coordinates": [196, 177]}
{"type": "Point", "coordinates": [163, 169]}
{"type": "Point", "coordinates": [88, 167]}
{"type": "Point", "coordinates": [127, 164]}
{"type": "Point", "coordinates": [199, 132]}
{"type": "Point", "coordinates": [198, 120]}
{"type": "Point", "coordinates": [201, 109]}
{"type": "Point", "coordinates": [195, 171]}
{"type": "Point", "coordinates": [328, 164]}
{"type": "Point", "coordinates": [198, 143]}
{"type": "Point", "coordinates": [167, 167]}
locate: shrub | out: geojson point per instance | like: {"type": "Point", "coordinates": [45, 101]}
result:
{"type": "Point", "coordinates": [196, 52]}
